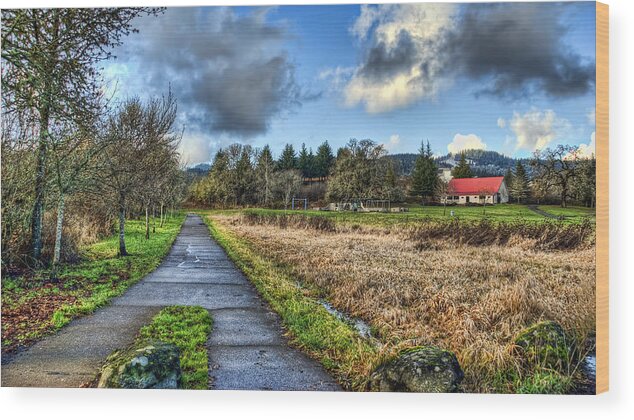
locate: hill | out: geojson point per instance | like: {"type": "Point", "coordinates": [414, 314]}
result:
{"type": "Point", "coordinates": [483, 162]}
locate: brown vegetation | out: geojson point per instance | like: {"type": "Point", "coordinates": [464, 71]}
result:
{"type": "Point", "coordinates": [470, 299]}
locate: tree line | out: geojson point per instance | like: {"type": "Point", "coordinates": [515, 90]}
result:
{"type": "Point", "coordinates": [73, 161]}
{"type": "Point", "coordinates": [243, 176]}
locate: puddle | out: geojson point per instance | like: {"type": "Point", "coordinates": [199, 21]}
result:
{"type": "Point", "coordinates": [590, 366]}
{"type": "Point", "coordinates": [362, 328]}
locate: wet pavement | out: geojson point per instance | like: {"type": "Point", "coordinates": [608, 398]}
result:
{"type": "Point", "coordinates": [247, 349]}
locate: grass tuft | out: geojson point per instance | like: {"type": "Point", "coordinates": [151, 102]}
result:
{"type": "Point", "coordinates": [187, 327]}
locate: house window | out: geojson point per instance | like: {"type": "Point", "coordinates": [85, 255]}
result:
{"type": "Point", "coordinates": [456, 197]}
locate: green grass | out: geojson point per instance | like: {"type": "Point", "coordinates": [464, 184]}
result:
{"type": "Point", "coordinates": [325, 337]}
{"type": "Point", "coordinates": [83, 287]}
{"type": "Point", "coordinates": [573, 213]}
{"type": "Point", "coordinates": [119, 272]}
{"type": "Point", "coordinates": [496, 213]}
{"type": "Point", "coordinates": [187, 327]}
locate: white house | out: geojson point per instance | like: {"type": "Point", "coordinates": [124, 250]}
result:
{"type": "Point", "coordinates": [489, 190]}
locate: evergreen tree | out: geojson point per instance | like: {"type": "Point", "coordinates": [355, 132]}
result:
{"type": "Point", "coordinates": [425, 174]}
{"type": "Point", "coordinates": [245, 177]}
{"type": "Point", "coordinates": [305, 162]}
{"type": "Point", "coordinates": [264, 176]}
{"type": "Point", "coordinates": [324, 160]}
{"type": "Point", "coordinates": [508, 180]}
{"type": "Point", "coordinates": [462, 170]}
{"type": "Point", "coordinates": [288, 159]}
{"type": "Point", "coordinates": [391, 190]}
{"type": "Point", "coordinates": [520, 186]}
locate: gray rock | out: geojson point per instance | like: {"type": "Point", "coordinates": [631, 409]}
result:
{"type": "Point", "coordinates": [151, 365]}
{"type": "Point", "coordinates": [545, 344]}
{"type": "Point", "coordinates": [421, 369]}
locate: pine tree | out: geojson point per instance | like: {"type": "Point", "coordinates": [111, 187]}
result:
{"type": "Point", "coordinates": [305, 162]}
{"type": "Point", "coordinates": [508, 179]}
{"type": "Point", "coordinates": [324, 160]}
{"type": "Point", "coordinates": [288, 159]}
{"type": "Point", "coordinates": [520, 187]}
{"type": "Point", "coordinates": [244, 176]}
{"type": "Point", "coordinates": [462, 170]}
{"type": "Point", "coordinates": [425, 174]}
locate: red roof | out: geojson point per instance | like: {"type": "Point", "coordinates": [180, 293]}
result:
{"type": "Point", "coordinates": [475, 186]}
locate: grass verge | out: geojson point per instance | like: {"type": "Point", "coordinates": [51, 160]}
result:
{"type": "Point", "coordinates": [326, 338]}
{"type": "Point", "coordinates": [187, 327]}
{"type": "Point", "coordinates": [34, 306]}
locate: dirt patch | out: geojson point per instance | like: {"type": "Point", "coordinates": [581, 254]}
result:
{"type": "Point", "coordinates": [29, 317]}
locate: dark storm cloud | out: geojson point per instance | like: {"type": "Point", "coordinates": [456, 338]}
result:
{"type": "Point", "coordinates": [228, 71]}
{"type": "Point", "coordinates": [520, 47]}
{"type": "Point", "coordinates": [382, 61]}
{"type": "Point", "coordinates": [509, 49]}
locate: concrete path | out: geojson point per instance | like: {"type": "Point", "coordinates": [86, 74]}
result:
{"type": "Point", "coordinates": [246, 347]}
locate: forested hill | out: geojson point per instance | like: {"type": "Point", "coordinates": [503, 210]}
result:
{"type": "Point", "coordinates": [483, 162]}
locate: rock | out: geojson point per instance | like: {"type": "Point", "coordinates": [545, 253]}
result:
{"type": "Point", "coordinates": [545, 344]}
{"type": "Point", "coordinates": [151, 365]}
{"type": "Point", "coordinates": [420, 369]}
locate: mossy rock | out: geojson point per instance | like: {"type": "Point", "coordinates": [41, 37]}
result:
{"type": "Point", "coordinates": [148, 365]}
{"type": "Point", "coordinates": [545, 345]}
{"type": "Point", "coordinates": [420, 369]}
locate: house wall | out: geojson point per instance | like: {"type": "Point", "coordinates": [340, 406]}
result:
{"type": "Point", "coordinates": [504, 193]}
{"type": "Point", "coordinates": [475, 199]}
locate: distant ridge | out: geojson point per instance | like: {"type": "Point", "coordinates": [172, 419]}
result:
{"type": "Point", "coordinates": [483, 162]}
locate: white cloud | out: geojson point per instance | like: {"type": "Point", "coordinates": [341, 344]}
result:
{"type": "Point", "coordinates": [588, 150]}
{"type": "Point", "coordinates": [392, 143]}
{"type": "Point", "coordinates": [194, 149]}
{"type": "Point", "coordinates": [537, 129]}
{"type": "Point", "coordinates": [501, 122]}
{"type": "Point", "coordinates": [405, 66]}
{"type": "Point", "coordinates": [465, 142]}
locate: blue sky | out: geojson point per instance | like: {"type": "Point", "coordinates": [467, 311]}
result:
{"type": "Point", "coordinates": [505, 77]}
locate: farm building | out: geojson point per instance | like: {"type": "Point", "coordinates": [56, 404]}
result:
{"type": "Point", "coordinates": [489, 190]}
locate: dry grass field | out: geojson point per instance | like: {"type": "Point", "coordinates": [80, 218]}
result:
{"type": "Point", "coordinates": [471, 299]}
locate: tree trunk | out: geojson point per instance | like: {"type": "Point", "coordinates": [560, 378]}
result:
{"type": "Point", "coordinates": [564, 194]}
{"type": "Point", "coordinates": [40, 181]}
{"type": "Point", "coordinates": [147, 222]}
{"type": "Point", "coordinates": [153, 218]}
{"type": "Point", "coordinates": [122, 250]}
{"type": "Point", "coordinates": [161, 225]}
{"type": "Point", "coordinates": [58, 231]}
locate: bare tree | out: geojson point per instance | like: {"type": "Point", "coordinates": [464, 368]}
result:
{"type": "Point", "coordinates": [75, 162]}
{"type": "Point", "coordinates": [287, 184]}
{"type": "Point", "coordinates": [139, 141]}
{"type": "Point", "coordinates": [557, 169]}
{"type": "Point", "coordinates": [48, 66]}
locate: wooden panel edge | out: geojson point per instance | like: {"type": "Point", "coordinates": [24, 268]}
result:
{"type": "Point", "coordinates": [603, 197]}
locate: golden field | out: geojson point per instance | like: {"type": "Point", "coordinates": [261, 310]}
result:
{"type": "Point", "coordinates": [470, 299]}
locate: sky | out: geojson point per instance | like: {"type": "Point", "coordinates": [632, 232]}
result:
{"type": "Point", "coordinates": [509, 77]}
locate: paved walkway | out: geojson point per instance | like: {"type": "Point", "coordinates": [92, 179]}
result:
{"type": "Point", "coordinates": [246, 347]}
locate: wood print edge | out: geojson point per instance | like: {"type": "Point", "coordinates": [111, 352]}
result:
{"type": "Point", "coordinates": [602, 192]}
